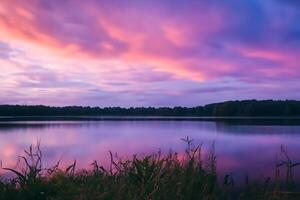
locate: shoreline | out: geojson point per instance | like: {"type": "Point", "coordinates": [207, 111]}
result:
{"type": "Point", "coordinates": [226, 120]}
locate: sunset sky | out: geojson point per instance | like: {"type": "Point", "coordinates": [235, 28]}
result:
{"type": "Point", "coordinates": [148, 53]}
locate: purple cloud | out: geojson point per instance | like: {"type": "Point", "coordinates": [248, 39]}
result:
{"type": "Point", "coordinates": [149, 53]}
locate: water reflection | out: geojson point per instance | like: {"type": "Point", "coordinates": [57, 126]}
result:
{"type": "Point", "coordinates": [241, 148]}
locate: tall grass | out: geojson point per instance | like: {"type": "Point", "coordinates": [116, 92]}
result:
{"type": "Point", "coordinates": [187, 176]}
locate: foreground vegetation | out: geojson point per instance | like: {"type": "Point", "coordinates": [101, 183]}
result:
{"type": "Point", "coordinates": [173, 176]}
{"type": "Point", "coordinates": [247, 108]}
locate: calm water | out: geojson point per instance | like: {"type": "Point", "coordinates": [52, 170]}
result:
{"type": "Point", "coordinates": [241, 148]}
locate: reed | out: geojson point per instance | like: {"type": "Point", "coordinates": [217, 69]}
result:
{"type": "Point", "coordinates": [174, 176]}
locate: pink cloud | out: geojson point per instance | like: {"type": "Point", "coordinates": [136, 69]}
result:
{"type": "Point", "coordinates": [87, 45]}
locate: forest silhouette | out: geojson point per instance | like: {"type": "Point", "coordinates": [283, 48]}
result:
{"type": "Point", "coordinates": [252, 108]}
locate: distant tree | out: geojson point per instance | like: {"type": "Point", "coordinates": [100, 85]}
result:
{"type": "Point", "coordinates": [228, 108]}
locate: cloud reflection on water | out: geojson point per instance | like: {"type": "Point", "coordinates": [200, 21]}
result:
{"type": "Point", "coordinates": [242, 149]}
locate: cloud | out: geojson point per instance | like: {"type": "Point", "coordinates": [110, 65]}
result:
{"type": "Point", "coordinates": [5, 50]}
{"type": "Point", "coordinates": [137, 46]}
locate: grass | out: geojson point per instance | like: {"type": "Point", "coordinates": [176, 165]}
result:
{"type": "Point", "coordinates": [174, 176]}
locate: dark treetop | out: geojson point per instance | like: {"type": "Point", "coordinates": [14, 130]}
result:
{"type": "Point", "coordinates": [229, 108]}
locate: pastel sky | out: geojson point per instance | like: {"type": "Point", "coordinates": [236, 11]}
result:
{"type": "Point", "coordinates": [148, 53]}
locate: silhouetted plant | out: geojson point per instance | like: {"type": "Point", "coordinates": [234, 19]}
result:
{"type": "Point", "coordinates": [158, 176]}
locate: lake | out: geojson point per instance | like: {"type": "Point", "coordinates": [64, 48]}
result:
{"type": "Point", "coordinates": [242, 146]}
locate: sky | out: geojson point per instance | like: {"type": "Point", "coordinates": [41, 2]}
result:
{"type": "Point", "coordinates": [148, 53]}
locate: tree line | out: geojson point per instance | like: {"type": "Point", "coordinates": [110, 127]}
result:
{"type": "Point", "coordinates": [229, 108]}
